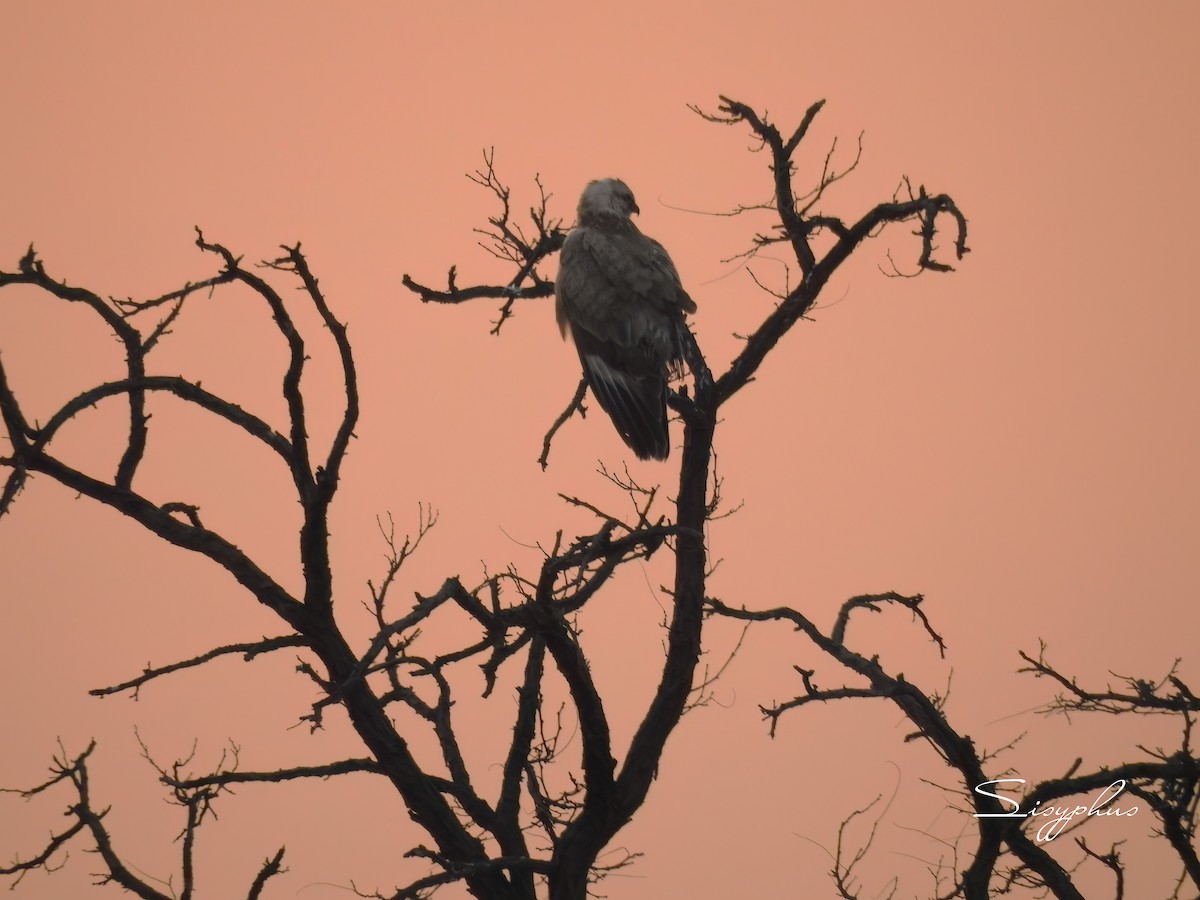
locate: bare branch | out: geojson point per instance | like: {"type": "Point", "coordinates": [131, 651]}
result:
{"type": "Point", "coordinates": [248, 651]}
{"type": "Point", "coordinates": [88, 819]}
{"type": "Point", "coordinates": [574, 805]}
{"type": "Point", "coordinates": [1141, 695]}
{"type": "Point", "coordinates": [226, 778]}
{"type": "Point", "coordinates": [270, 869]}
{"type": "Point", "coordinates": [507, 241]}
{"type": "Point", "coordinates": [576, 405]}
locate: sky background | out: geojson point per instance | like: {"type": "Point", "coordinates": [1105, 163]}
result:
{"type": "Point", "coordinates": [1016, 440]}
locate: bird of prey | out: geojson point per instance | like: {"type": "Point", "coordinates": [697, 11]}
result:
{"type": "Point", "coordinates": [619, 295]}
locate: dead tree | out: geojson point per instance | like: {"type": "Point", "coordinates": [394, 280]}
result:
{"type": "Point", "coordinates": [528, 838]}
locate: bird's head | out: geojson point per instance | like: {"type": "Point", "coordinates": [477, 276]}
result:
{"type": "Point", "coordinates": [607, 196]}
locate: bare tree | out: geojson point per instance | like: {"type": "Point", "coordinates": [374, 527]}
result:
{"type": "Point", "coordinates": [543, 830]}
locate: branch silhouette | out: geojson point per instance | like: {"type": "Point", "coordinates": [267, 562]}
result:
{"type": "Point", "coordinates": [560, 803]}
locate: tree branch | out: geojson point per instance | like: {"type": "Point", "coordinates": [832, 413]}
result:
{"type": "Point", "coordinates": [248, 652]}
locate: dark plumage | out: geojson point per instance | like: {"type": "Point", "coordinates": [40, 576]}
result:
{"type": "Point", "coordinates": [618, 293]}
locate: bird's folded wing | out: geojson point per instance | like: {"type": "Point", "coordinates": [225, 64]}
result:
{"type": "Point", "coordinates": [620, 287]}
{"type": "Point", "coordinates": [633, 396]}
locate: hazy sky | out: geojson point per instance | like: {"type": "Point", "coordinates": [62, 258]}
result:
{"type": "Point", "coordinates": [1016, 440]}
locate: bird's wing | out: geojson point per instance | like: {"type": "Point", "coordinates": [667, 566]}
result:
{"type": "Point", "coordinates": [661, 261]}
{"type": "Point", "coordinates": [635, 399]}
{"type": "Point", "coordinates": [621, 287]}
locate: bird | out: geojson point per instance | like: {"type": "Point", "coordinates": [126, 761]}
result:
{"type": "Point", "coordinates": [619, 296]}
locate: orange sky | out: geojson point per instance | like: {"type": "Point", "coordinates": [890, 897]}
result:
{"type": "Point", "coordinates": [1016, 440]}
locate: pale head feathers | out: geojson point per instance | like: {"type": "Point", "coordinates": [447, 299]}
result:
{"type": "Point", "coordinates": [607, 196]}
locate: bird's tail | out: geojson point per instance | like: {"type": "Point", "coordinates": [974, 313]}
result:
{"type": "Point", "coordinates": [637, 405]}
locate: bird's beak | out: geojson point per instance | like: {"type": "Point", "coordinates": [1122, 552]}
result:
{"type": "Point", "coordinates": [635, 208]}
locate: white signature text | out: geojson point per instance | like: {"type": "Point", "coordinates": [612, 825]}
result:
{"type": "Point", "coordinates": [1057, 817]}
